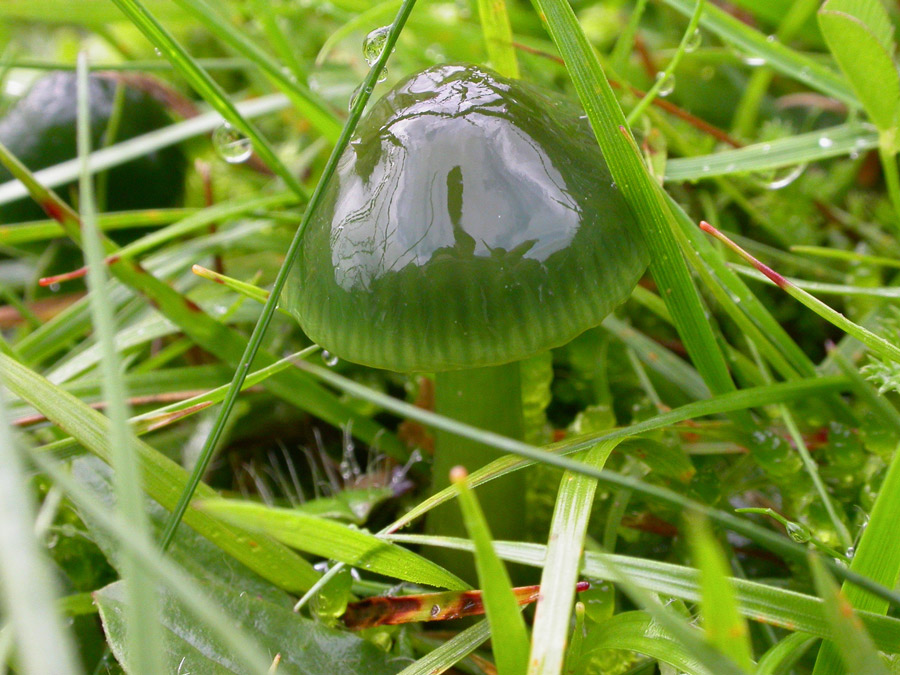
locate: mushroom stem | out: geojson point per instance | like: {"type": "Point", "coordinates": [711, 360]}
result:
{"type": "Point", "coordinates": [489, 398]}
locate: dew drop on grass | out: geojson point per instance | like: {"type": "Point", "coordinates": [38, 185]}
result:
{"type": "Point", "coordinates": [231, 145]}
{"type": "Point", "coordinates": [374, 43]}
{"type": "Point", "coordinates": [825, 142]}
{"type": "Point", "coordinates": [667, 83]}
{"type": "Point", "coordinates": [329, 359]}
{"type": "Point", "coordinates": [693, 43]}
{"type": "Point", "coordinates": [785, 178]}
{"type": "Point", "coordinates": [798, 533]}
{"type": "Point", "coordinates": [355, 95]}
{"type": "Point", "coordinates": [754, 61]}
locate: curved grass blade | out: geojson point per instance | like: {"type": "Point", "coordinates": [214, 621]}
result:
{"type": "Point", "coordinates": [163, 479]}
{"type": "Point", "coordinates": [637, 631]}
{"type": "Point", "coordinates": [504, 617]}
{"type": "Point", "coordinates": [139, 146]}
{"type": "Point", "coordinates": [330, 539]}
{"type": "Point", "coordinates": [780, 659]}
{"type": "Point", "coordinates": [813, 146]}
{"type": "Point", "coordinates": [144, 639]}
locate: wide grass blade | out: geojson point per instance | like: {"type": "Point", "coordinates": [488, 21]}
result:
{"type": "Point", "coordinates": [511, 644]}
{"type": "Point", "coordinates": [498, 37]}
{"type": "Point", "coordinates": [566, 544]}
{"type": "Point", "coordinates": [327, 538]}
{"type": "Point", "coordinates": [722, 622]}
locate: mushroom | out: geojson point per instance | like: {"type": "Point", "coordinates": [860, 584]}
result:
{"type": "Point", "coordinates": [471, 223]}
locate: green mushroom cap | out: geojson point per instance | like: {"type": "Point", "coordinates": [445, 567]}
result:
{"type": "Point", "coordinates": [470, 222]}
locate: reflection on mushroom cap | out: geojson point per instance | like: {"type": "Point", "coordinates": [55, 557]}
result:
{"type": "Point", "coordinates": [471, 222]}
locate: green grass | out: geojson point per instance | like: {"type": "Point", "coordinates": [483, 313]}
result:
{"type": "Point", "coordinates": [187, 477]}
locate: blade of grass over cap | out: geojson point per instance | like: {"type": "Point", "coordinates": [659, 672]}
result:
{"type": "Point", "coordinates": [500, 606]}
{"type": "Point", "coordinates": [498, 37]}
{"type": "Point", "coordinates": [27, 583]}
{"type": "Point", "coordinates": [269, 308]}
{"type": "Point", "coordinates": [144, 636]}
{"type": "Point", "coordinates": [667, 264]}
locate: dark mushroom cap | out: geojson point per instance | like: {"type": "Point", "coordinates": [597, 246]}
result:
{"type": "Point", "coordinates": [471, 222]}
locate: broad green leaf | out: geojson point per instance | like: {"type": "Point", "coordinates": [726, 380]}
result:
{"type": "Point", "coordinates": [724, 626]}
{"type": "Point", "coordinates": [163, 479]}
{"type": "Point", "coordinates": [860, 37]}
{"type": "Point", "coordinates": [850, 636]}
{"type": "Point", "coordinates": [566, 544]}
{"type": "Point", "coordinates": [306, 647]}
{"type": "Point", "coordinates": [640, 632]}
{"type": "Point", "coordinates": [329, 539]}
{"type": "Point", "coordinates": [511, 644]}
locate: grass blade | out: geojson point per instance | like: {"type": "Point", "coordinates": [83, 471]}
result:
{"type": "Point", "coordinates": [330, 539]}
{"type": "Point", "coordinates": [27, 585]}
{"type": "Point", "coordinates": [498, 37]}
{"type": "Point", "coordinates": [667, 264]}
{"type": "Point", "coordinates": [500, 606]}
{"type": "Point", "coordinates": [450, 652]}
{"type": "Point", "coordinates": [723, 624]}
{"type": "Point", "coordinates": [143, 634]}
{"type": "Point", "coordinates": [850, 636]}
{"type": "Point", "coordinates": [163, 479]}
{"type": "Point", "coordinates": [567, 532]}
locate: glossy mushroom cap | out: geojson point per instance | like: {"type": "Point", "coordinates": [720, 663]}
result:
{"type": "Point", "coordinates": [471, 222]}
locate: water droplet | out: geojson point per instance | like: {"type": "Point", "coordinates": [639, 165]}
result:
{"type": "Point", "coordinates": [667, 83]}
{"type": "Point", "coordinates": [157, 51]}
{"type": "Point", "coordinates": [231, 145]}
{"type": "Point", "coordinates": [355, 96]}
{"type": "Point", "coordinates": [786, 178]}
{"type": "Point", "coordinates": [382, 76]}
{"type": "Point", "coordinates": [770, 38]}
{"type": "Point", "coordinates": [374, 43]}
{"type": "Point", "coordinates": [54, 287]}
{"type": "Point", "coordinates": [693, 42]}
{"type": "Point", "coordinates": [825, 142]}
{"type": "Point", "coordinates": [435, 610]}
{"type": "Point", "coordinates": [329, 359]}
{"type": "Point", "coordinates": [754, 61]}
{"type": "Point", "coordinates": [798, 533]}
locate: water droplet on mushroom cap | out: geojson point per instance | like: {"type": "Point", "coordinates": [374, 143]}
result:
{"type": "Point", "coordinates": [469, 223]}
